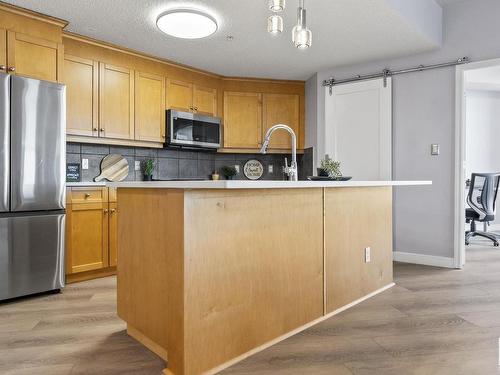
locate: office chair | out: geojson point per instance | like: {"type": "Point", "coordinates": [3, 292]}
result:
{"type": "Point", "coordinates": [481, 198]}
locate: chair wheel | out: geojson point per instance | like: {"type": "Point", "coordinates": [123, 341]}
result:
{"type": "Point", "coordinates": [495, 244]}
{"type": "Point", "coordinates": [467, 243]}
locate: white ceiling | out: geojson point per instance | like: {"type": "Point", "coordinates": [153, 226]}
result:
{"type": "Point", "coordinates": [344, 32]}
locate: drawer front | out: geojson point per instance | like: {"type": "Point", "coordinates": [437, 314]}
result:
{"type": "Point", "coordinates": [88, 195]}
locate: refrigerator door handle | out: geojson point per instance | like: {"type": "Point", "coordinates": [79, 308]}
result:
{"type": "Point", "coordinates": [4, 142]}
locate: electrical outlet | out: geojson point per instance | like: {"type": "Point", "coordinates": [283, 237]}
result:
{"type": "Point", "coordinates": [237, 167]}
{"type": "Point", "coordinates": [137, 165]}
{"type": "Point", "coordinates": [270, 168]}
{"type": "Point", "coordinates": [435, 149]}
{"type": "Point", "coordinates": [85, 163]}
{"type": "Point", "coordinates": [368, 255]}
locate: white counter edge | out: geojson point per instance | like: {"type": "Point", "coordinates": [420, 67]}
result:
{"type": "Point", "coordinates": [243, 184]}
{"type": "Point", "coordinates": [86, 184]}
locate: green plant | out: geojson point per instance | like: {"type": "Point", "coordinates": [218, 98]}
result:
{"type": "Point", "coordinates": [149, 166]}
{"type": "Point", "coordinates": [331, 167]}
{"type": "Point", "coordinates": [228, 171]}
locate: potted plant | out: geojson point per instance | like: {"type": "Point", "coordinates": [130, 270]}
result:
{"type": "Point", "coordinates": [330, 168]}
{"type": "Point", "coordinates": [228, 171]}
{"type": "Point", "coordinates": [148, 168]}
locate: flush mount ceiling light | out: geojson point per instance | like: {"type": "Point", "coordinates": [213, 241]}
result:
{"type": "Point", "coordinates": [276, 5]}
{"type": "Point", "coordinates": [301, 35]}
{"type": "Point", "coordinates": [186, 23]}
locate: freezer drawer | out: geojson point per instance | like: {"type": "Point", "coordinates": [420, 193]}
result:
{"type": "Point", "coordinates": [4, 141]}
{"type": "Point", "coordinates": [38, 145]}
{"type": "Point", "coordinates": [31, 254]}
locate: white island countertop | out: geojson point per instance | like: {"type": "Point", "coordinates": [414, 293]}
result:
{"type": "Point", "coordinates": [246, 184]}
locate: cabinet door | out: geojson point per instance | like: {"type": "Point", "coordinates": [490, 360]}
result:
{"type": "Point", "coordinates": [242, 119]}
{"type": "Point", "coordinates": [80, 77]}
{"type": "Point", "coordinates": [116, 102]}
{"type": "Point", "coordinates": [179, 95]}
{"type": "Point", "coordinates": [281, 109]}
{"type": "Point", "coordinates": [149, 107]}
{"type": "Point", "coordinates": [3, 50]}
{"type": "Point", "coordinates": [87, 237]}
{"type": "Point", "coordinates": [113, 234]}
{"type": "Point", "coordinates": [34, 57]}
{"type": "Point", "coordinates": [205, 100]}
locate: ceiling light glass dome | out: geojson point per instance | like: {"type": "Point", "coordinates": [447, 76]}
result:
{"type": "Point", "coordinates": [187, 24]}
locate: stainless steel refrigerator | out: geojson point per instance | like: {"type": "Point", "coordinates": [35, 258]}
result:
{"type": "Point", "coordinates": [32, 185]}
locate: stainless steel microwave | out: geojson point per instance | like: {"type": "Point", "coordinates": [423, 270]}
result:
{"type": "Point", "coordinates": [186, 129]}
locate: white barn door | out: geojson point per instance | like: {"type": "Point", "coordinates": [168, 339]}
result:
{"type": "Point", "coordinates": [358, 118]}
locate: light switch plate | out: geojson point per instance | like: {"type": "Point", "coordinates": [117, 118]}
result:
{"type": "Point", "coordinates": [435, 149]}
{"type": "Point", "coordinates": [368, 255]}
{"type": "Point", "coordinates": [237, 167]}
{"type": "Point", "coordinates": [270, 168]}
{"type": "Point", "coordinates": [85, 163]}
{"type": "Point", "coordinates": [137, 165]}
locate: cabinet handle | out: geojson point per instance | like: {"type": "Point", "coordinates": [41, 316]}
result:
{"type": "Point", "coordinates": [105, 211]}
{"type": "Point", "coordinates": [113, 210]}
{"type": "Point", "coordinates": [3, 67]}
{"type": "Point", "coordinates": [87, 195]}
{"type": "Point", "coordinates": [11, 69]}
{"type": "Point", "coordinates": [95, 129]}
{"type": "Point", "coordinates": [102, 129]}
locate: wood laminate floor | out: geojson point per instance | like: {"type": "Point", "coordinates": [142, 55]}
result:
{"type": "Point", "coordinates": [434, 321]}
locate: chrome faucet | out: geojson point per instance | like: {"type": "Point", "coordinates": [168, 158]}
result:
{"type": "Point", "coordinates": [292, 171]}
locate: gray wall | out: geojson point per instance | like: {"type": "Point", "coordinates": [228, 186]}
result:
{"type": "Point", "coordinates": [172, 163]}
{"type": "Point", "coordinates": [424, 113]}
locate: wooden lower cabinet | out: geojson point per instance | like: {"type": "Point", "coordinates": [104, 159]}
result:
{"type": "Point", "coordinates": [91, 240]}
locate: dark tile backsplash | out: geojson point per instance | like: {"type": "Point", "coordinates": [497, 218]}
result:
{"type": "Point", "coordinates": [174, 163]}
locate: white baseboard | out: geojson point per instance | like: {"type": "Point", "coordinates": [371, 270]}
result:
{"type": "Point", "coordinates": [426, 260]}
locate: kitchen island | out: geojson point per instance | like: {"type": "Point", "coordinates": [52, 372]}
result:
{"type": "Point", "coordinates": [210, 272]}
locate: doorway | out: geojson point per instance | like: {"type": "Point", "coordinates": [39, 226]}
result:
{"type": "Point", "coordinates": [477, 126]}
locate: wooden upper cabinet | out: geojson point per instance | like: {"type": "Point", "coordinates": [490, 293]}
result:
{"type": "Point", "coordinates": [242, 119]}
{"type": "Point", "coordinates": [149, 107]}
{"type": "Point", "coordinates": [87, 237]}
{"type": "Point", "coordinates": [188, 97]}
{"type": "Point", "coordinates": [281, 109]}
{"type": "Point", "coordinates": [205, 100]}
{"type": "Point", "coordinates": [179, 95]}
{"type": "Point", "coordinates": [34, 57]}
{"type": "Point", "coordinates": [81, 79]}
{"type": "Point", "coordinates": [116, 102]}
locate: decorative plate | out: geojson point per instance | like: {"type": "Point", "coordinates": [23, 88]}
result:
{"type": "Point", "coordinates": [253, 169]}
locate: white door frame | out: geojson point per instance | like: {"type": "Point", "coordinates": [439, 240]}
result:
{"type": "Point", "coordinates": [459, 226]}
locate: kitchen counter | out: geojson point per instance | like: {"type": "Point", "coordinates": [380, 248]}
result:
{"type": "Point", "coordinates": [210, 272]}
{"type": "Point", "coordinates": [85, 184]}
{"type": "Point", "coordinates": [246, 184]}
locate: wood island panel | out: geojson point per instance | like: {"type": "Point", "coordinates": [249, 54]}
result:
{"type": "Point", "coordinates": [205, 276]}
{"type": "Point", "coordinates": [356, 218]}
{"type": "Point", "coordinates": [253, 272]}
{"type": "Point", "coordinates": [150, 270]}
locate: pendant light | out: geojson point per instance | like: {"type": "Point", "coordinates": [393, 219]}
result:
{"type": "Point", "coordinates": [275, 24]}
{"type": "Point", "coordinates": [276, 5]}
{"type": "Point", "coordinates": [301, 35]}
